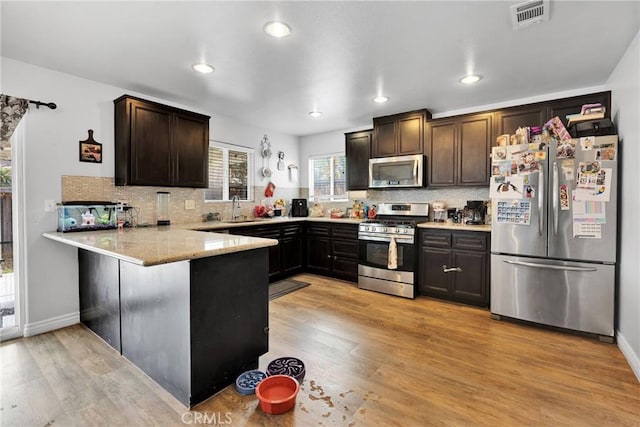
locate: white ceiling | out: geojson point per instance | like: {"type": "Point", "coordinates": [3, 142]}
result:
{"type": "Point", "coordinates": [339, 56]}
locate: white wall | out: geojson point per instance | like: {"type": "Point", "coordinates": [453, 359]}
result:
{"type": "Point", "coordinates": [52, 136]}
{"type": "Point", "coordinates": [625, 87]}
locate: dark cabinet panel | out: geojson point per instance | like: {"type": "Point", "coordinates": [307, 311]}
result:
{"type": "Point", "coordinates": [99, 280]}
{"type": "Point", "coordinates": [411, 135]}
{"type": "Point", "coordinates": [474, 149]}
{"type": "Point", "coordinates": [357, 153]}
{"type": "Point", "coordinates": [384, 139]}
{"type": "Point", "coordinates": [455, 266]}
{"type": "Point", "coordinates": [150, 145]}
{"type": "Point", "coordinates": [159, 145]}
{"type": "Point", "coordinates": [292, 255]}
{"type": "Point", "coordinates": [573, 105]}
{"type": "Point", "coordinates": [319, 254]}
{"type": "Point", "coordinates": [191, 155]}
{"type": "Point", "coordinates": [509, 120]}
{"type": "Point", "coordinates": [399, 134]}
{"type": "Point", "coordinates": [441, 155]}
{"type": "Point", "coordinates": [466, 285]}
{"type": "Point", "coordinates": [458, 150]}
{"type": "Point", "coordinates": [435, 282]}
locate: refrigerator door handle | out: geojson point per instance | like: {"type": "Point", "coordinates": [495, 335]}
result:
{"type": "Point", "coordinates": [541, 201]}
{"type": "Point", "coordinates": [549, 267]}
{"type": "Point", "coordinates": [556, 197]}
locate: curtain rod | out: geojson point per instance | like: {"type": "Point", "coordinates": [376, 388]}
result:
{"type": "Point", "coordinates": [51, 105]}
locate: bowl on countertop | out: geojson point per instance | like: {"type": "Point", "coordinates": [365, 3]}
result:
{"type": "Point", "coordinates": [291, 366]}
{"type": "Point", "coordinates": [277, 394]}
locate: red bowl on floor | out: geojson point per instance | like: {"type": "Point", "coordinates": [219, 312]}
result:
{"type": "Point", "coordinates": [277, 393]}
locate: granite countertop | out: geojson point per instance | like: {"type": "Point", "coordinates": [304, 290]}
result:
{"type": "Point", "coordinates": [159, 245]}
{"type": "Point", "coordinates": [217, 225]}
{"type": "Point", "coordinates": [453, 226]}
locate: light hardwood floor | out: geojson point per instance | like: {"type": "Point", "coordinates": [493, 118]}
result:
{"type": "Point", "coordinates": [371, 360]}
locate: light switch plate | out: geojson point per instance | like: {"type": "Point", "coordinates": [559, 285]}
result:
{"type": "Point", "coordinates": [189, 204]}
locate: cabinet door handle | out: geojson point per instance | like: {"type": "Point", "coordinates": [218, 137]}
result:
{"type": "Point", "coordinates": [328, 256]}
{"type": "Point", "coordinates": [450, 269]}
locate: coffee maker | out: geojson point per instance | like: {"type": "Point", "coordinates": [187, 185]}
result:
{"type": "Point", "coordinates": [299, 208]}
{"type": "Point", "coordinates": [474, 212]}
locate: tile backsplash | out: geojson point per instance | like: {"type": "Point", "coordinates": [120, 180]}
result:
{"type": "Point", "coordinates": [144, 199]}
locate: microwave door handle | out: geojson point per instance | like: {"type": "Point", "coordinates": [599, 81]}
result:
{"type": "Point", "coordinates": [415, 171]}
{"type": "Point", "coordinates": [556, 197]}
{"type": "Point", "coordinates": [541, 201]}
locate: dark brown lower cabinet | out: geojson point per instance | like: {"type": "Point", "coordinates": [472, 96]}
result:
{"type": "Point", "coordinates": [285, 259]}
{"type": "Point", "coordinates": [454, 265]}
{"type": "Point", "coordinates": [332, 250]}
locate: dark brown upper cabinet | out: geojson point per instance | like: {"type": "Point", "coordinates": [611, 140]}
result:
{"type": "Point", "coordinates": [510, 119]}
{"type": "Point", "coordinates": [458, 150]}
{"type": "Point", "coordinates": [158, 145]}
{"type": "Point", "coordinates": [399, 134]}
{"type": "Point", "coordinates": [357, 152]}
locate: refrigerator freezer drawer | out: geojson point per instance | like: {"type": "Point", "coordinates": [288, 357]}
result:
{"type": "Point", "coordinates": [571, 295]}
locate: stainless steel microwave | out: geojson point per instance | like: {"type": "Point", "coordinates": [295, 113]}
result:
{"type": "Point", "coordinates": [396, 172]}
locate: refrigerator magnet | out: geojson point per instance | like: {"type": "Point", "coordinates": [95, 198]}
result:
{"type": "Point", "coordinates": [564, 198]}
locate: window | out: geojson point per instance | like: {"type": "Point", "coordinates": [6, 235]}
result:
{"type": "Point", "coordinates": [326, 177]}
{"type": "Point", "coordinates": [229, 176]}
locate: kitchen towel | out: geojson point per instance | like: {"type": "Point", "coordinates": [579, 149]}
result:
{"type": "Point", "coordinates": [392, 262]}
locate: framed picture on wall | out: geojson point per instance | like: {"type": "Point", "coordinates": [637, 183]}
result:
{"type": "Point", "coordinates": [90, 150]}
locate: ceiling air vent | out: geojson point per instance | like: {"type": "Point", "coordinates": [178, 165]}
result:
{"type": "Point", "coordinates": [529, 12]}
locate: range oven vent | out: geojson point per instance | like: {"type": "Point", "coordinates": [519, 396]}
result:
{"type": "Point", "coordinates": [529, 12]}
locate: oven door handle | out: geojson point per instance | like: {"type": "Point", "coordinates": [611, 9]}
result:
{"type": "Point", "coordinates": [404, 240]}
{"type": "Point", "coordinates": [446, 269]}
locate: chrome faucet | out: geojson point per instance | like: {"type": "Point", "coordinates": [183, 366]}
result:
{"type": "Point", "coordinates": [235, 207]}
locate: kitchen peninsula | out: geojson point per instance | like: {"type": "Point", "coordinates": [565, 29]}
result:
{"type": "Point", "coordinates": [188, 308]}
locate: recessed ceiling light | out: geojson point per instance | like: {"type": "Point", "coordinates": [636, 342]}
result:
{"type": "Point", "coordinates": [470, 79]}
{"type": "Point", "coordinates": [277, 29]}
{"type": "Point", "coordinates": [381, 99]}
{"type": "Point", "coordinates": [203, 68]}
{"type": "Point", "coordinates": [315, 114]}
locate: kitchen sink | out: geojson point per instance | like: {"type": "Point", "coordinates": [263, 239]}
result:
{"type": "Point", "coordinates": [240, 220]}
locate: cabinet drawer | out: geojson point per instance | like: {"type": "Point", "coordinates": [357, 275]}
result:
{"type": "Point", "coordinates": [265, 232]}
{"type": "Point", "coordinates": [318, 229]}
{"type": "Point", "coordinates": [474, 242]}
{"type": "Point", "coordinates": [344, 248]}
{"type": "Point", "coordinates": [291, 230]}
{"type": "Point", "coordinates": [344, 231]}
{"type": "Point", "coordinates": [441, 240]}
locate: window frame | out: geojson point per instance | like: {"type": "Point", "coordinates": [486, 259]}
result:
{"type": "Point", "coordinates": [332, 197]}
{"type": "Point", "coordinates": [226, 147]}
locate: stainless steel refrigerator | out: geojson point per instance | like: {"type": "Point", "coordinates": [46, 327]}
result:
{"type": "Point", "coordinates": [553, 233]}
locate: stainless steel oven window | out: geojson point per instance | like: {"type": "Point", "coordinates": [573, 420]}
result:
{"type": "Point", "coordinates": [376, 254]}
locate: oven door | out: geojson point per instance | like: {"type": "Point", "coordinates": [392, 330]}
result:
{"type": "Point", "coordinates": [373, 253]}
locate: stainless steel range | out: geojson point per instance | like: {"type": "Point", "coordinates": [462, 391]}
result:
{"type": "Point", "coordinates": [390, 235]}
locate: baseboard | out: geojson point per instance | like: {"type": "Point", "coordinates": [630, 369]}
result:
{"type": "Point", "coordinates": [632, 358]}
{"type": "Point", "coordinates": [35, 328]}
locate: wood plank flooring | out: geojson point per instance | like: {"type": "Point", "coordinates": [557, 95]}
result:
{"type": "Point", "coordinates": [371, 360]}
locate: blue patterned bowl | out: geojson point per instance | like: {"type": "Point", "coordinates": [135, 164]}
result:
{"type": "Point", "coordinates": [247, 382]}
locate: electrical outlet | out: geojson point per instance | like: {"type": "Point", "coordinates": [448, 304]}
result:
{"type": "Point", "coordinates": [189, 204]}
{"type": "Point", "coordinates": [49, 205]}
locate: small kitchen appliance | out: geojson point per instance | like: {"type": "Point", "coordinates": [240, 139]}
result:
{"type": "Point", "coordinates": [163, 208]}
{"type": "Point", "coordinates": [439, 212]}
{"type": "Point", "coordinates": [387, 255]}
{"type": "Point", "coordinates": [397, 172]}
{"type": "Point", "coordinates": [299, 208]}
{"type": "Point", "coordinates": [474, 212]}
